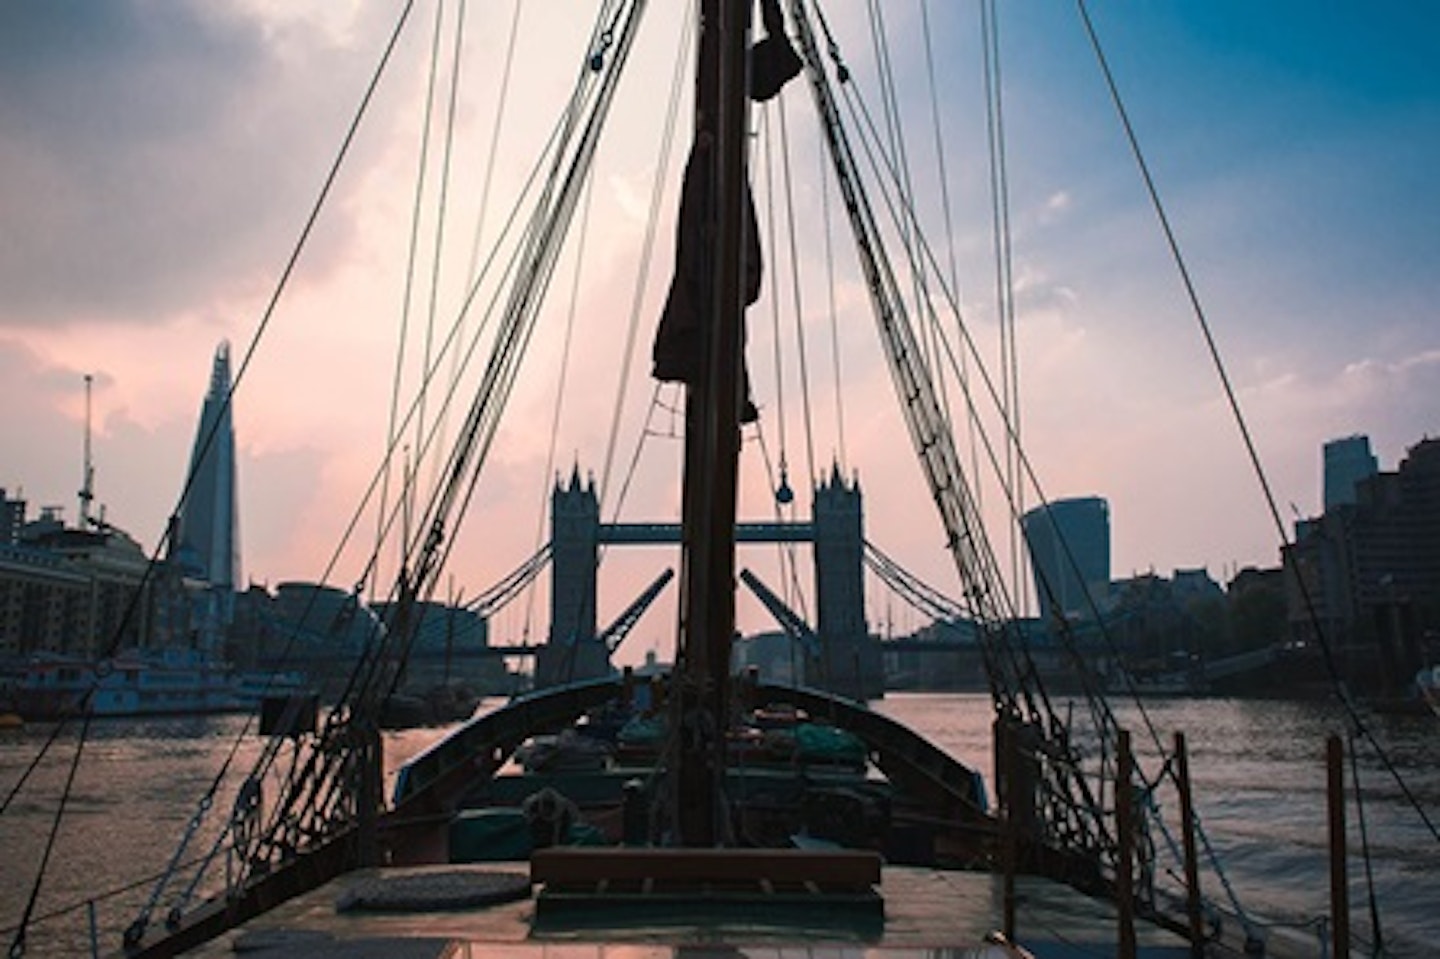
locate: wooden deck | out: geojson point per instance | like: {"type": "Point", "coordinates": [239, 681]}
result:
{"type": "Point", "coordinates": [924, 914]}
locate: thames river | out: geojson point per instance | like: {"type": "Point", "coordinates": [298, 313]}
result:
{"type": "Point", "coordinates": [1257, 767]}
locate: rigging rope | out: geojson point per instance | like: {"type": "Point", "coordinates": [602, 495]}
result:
{"type": "Point", "coordinates": [1375, 928]}
{"type": "Point", "coordinates": [544, 240]}
{"type": "Point", "coordinates": [647, 250]}
{"type": "Point", "coordinates": [17, 947]}
{"type": "Point", "coordinates": [1202, 320]}
{"type": "Point", "coordinates": [364, 669]}
{"type": "Point", "coordinates": [502, 98]}
{"type": "Point", "coordinates": [781, 495]}
{"type": "Point", "coordinates": [800, 353]}
{"type": "Point", "coordinates": [777, 340]}
{"type": "Point", "coordinates": [411, 256]}
{"type": "Point", "coordinates": [946, 208]}
{"type": "Point", "coordinates": [794, 594]}
{"type": "Point", "coordinates": [442, 211]}
{"type": "Point", "coordinates": [309, 799]}
{"type": "Point", "coordinates": [639, 444]}
{"type": "Point", "coordinates": [667, 140]}
{"type": "Point", "coordinates": [1015, 681]}
{"type": "Point", "coordinates": [895, 150]}
{"type": "Point", "coordinates": [877, 158]}
{"type": "Point", "coordinates": [838, 377]}
{"type": "Point", "coordinates": [560, 391]}
{"type": "Point", "coordinates": [1004, 276]}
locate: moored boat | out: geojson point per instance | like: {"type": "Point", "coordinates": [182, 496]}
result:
{"type": "Point", "coordinates": [166, 682]}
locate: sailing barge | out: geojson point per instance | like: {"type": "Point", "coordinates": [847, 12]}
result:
{"type": "Point", "coordinates": [723, 831]}
{"type": "Point", "coordinates": [719, 834]}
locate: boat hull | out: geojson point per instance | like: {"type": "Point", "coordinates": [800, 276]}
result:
{"type": "Point", "coordinates": [167, 683]}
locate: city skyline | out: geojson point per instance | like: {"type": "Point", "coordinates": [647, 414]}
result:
{"type": "Point", "coordinates": [160, 166]}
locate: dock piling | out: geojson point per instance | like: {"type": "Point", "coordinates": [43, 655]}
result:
{"type": "Point", "coordinates": [1192, 868]}
{"type": "Point", "coordinates": [1339, 887]}
{"type": "Point", "coordinates": [1125, 846]}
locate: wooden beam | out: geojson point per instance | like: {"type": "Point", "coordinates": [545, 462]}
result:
{"type": "Point", "coordinates": [595, 864]}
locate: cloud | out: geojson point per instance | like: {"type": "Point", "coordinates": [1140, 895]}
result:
{"type": "Point", "coordinates": [1391, 399]}
{"type": "Point", "coordinates": [155, 155]}
{"type": "Point", "coordinates": [138, 465]}
{"type": "Point", "coordinates": [1056, 205]}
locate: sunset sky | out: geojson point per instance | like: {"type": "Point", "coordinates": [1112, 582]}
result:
{"type": "Point", "coordinates": [158, 161]}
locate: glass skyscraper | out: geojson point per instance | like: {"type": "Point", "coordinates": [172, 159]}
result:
{"type": "Point", "coordinates": [1347, 462]}
{"type": "Point", "coordinates": [206, 538]}
{"type": "Point", "coordinates": [1069, 542]}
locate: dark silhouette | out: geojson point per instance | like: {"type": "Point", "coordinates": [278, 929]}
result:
{"type": "Point", "coordinates": [676, 351]}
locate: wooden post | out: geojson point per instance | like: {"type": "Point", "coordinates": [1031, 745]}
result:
{"type": "Point", "coordinates": [1124, 847]}
{"type": "Point", "coordinates": [369, 747]}
{"type": "Point", "coordinates": [1192, 866]}
{"type": "Point", "coordinates": [712, 431]}
{"type": "Point", "coordinates": [1339, 885]}
{"type": "Point", "coordinates": [1010, 758]}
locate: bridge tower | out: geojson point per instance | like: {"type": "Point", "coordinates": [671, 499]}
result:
{"type": "Point", "coordinates": [850, 661]}
{"type": "Point", "coordinates": [572, 652]}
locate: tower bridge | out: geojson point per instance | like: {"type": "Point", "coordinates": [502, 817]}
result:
{"type": "Point", "coordinates": [848, 659]}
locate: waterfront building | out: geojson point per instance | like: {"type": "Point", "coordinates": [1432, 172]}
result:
{"type": "Point", "coordinates": [1370, 572]}
{"type": "Point", "coordinates": [450, 644]}
{"type": "Point", "coordinates": [1348, 462]}
{"type": "Point", "coordinates": [43, 602]}
{"type": "Point", "coordinates": [12, 517]}
{"type": "Point", "coordinates": [311, 628]}
{"type": "Point", "coordinates": [1159, 624]}
{"type": "Point", "coordinates": [323, 618]}
{"type": "Point", "coordinates": [775, 655]}
{"type": "Point", "coordinates": [205, 540]}
{"type": "Point", "coordinates": [71, 591]}
{"type": "Point", "coordinates": [1069, 542]}
{"type": "Point", "coordinates": [1256, 600]}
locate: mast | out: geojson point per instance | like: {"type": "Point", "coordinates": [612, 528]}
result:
{"type": "Point", "coordinates": [712, 433]}
{"type": "Point", "coordinates": [87, 486]}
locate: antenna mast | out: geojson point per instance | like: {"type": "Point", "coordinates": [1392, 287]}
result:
{"type": "Point", "coordinates": [87, 488]}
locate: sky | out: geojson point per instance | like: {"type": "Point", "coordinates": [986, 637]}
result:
{"type": "Point", "coordinates": [159, 160]}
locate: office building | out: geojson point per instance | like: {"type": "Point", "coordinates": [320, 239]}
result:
{"type": "Point", "coordinates": [1069, 543]}
{"type": "Point", "coordinates": [1348, 461]}
{"type": "Point", "coordinates": [205, 541]}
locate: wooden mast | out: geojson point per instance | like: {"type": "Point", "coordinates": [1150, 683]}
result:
{"type": "Point", "coordinates": [712, 432]}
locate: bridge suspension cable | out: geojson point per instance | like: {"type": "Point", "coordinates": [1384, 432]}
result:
{"type": "Point", "coordinates": [511, 585]}
{"type": "Point", "coordinates": [919, 594]}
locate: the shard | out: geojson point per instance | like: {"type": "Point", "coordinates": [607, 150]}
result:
{"type": "Point", "coordinates": [206, 536]}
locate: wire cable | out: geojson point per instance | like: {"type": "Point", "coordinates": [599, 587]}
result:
{"type": "Point", "coordinates": [561, 378]}
{"type": "Point", "coordinates": [17, 946]}
{"type": "Point", "coordinates": [1237, 413]}
{"type": "Point", "coordinates": [413, 249]}
{"type": "Point", "coordinates": [667, 143]}
{"type": "Point", "coordinates": [442, 210]}
{"type": "Point", "coordinates": [799, 307]}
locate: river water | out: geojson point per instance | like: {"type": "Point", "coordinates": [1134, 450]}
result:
{"type": "Point", "coordinates": [1257, 767]}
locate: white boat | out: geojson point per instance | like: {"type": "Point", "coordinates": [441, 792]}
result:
{"type": "Point", "coordinates": [142, 682]}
